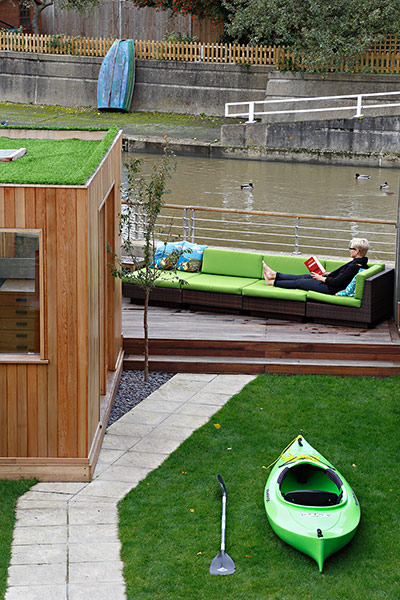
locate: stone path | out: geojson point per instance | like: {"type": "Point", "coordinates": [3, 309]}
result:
{"type": "Point", "coordinates": [66, 544]}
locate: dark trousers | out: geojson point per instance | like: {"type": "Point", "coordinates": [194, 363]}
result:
{"type": "Point", "coordinates": [300, 282]}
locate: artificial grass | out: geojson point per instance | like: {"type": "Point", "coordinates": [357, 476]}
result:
{"type": "Point", "coordinates": [9, 494]}
{"type": "Point", "coordinates": [57, 162]}
{"type": "Point", "coordinates": [170, 524]}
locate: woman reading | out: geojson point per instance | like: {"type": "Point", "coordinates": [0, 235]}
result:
{"type": "Point", "coordinates": [327, 283]}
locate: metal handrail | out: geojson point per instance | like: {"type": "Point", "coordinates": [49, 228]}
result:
{"type": "Point", "coordinates": [359, 106]}
{"type": "Point", "coordinates": [299, 232]}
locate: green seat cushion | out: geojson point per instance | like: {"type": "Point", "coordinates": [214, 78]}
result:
{"type": "Point", "coordinates": [340, 300]}
{"type": "Point", "coordinates": [218, 283]}
{"type": "Point", "coordinates": [361, 277]}
{"type": "Point", "coordinates": [169, 279]}
{"type": "Point", "coordinates": [233, 263]}
{"type": "Point", "coordinates": [331, 265]}
{"type": "Point", "coordinates": [260, 290]}
{"type": "Point", "coordinates": [293, 265]}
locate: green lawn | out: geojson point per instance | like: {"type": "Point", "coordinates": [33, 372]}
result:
{"type": "Point", "coordinates": [170, 524]}
{"type": "Point", "coordinates": [9, 494]}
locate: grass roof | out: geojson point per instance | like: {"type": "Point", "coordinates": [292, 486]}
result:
{"type": "Point", "coordinates": [57, 162]}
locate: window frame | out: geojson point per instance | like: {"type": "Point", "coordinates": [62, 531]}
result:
{"type": "Point", "coordinates": [37, 357]}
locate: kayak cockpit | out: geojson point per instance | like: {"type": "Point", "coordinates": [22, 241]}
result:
{"type": "Point", "coordinates": [308, 484]}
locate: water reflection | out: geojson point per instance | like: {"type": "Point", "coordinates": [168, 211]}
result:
{"type": "Point", "coordinates": [283, 187]}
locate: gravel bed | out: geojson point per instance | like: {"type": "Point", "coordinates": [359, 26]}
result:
{"type": "Point", "coordinates": [133, 389]}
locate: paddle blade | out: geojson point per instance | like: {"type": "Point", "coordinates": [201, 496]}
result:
{"type": "Point", "coordinates": [222, 564]}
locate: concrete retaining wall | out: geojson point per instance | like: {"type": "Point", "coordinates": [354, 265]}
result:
{"type": "Point", "coordinates": [378, 136]}
{"type": "Point", "coordinates": [162, 86]}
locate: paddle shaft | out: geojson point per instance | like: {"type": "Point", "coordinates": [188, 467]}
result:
{"type": "Point", "coordinates": [223, 524]}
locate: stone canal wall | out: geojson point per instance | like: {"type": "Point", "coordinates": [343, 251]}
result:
{"type": "Point", "coordinates": [161, 86]}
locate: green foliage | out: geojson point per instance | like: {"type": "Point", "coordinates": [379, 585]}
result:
{"type": "Point", "coordinates": [9, 494]}
{"type": "Point", "coordinates": [178, 37]}
{"type": "Point", "coordinates": [170, 523]}
{"type": "Point", "coordinates": [212, 9]}
{"type": "Point", "coordinates": [320, 34]}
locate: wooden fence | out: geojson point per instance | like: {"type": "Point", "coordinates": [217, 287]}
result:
{"type": "Point", "coordinates": [383, 57]}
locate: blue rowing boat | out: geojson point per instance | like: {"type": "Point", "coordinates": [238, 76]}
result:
{"type": "Point", "coordinates": [116, 77]}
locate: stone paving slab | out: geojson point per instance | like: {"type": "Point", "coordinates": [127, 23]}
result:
{"type": "Point", "coordinates": [38, 592]}
{"type": "Point", "coordinates": [66, 534]}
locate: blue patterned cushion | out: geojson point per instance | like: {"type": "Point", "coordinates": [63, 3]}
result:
{"type": "Point", "coordinates": [191, 258]}
{"type": "Point", "coordinates": [351, 288]}
{"type": "Point", "coordinates": [167, 255]}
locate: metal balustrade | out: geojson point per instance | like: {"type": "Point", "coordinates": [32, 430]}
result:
{"type": "Point", "coordinates": [250, 113]}
{"type": "Point", "coordinates": [268, 231]}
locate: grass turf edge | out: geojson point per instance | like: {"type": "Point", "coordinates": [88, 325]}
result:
{"type": "Point", "coordinates": [10, 491]}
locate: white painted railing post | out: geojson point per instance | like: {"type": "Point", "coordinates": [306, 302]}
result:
{"type": "Point", "coordinates": [359, 106]}
{"type": "Point", "coordinates": [297, 236]}
{"type": "Point", "coordinates": [185, 223]}
{"type": "Point", "coordinates": [251, 113]}
{"type": "Point", "coordinates": [193, 224]}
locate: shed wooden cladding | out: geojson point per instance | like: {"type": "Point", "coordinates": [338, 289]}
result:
{"type": "Point", "coordinates": [53, 406]}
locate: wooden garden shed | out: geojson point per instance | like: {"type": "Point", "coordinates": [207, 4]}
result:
{"type": "Point", "coordinates": [60, 309]}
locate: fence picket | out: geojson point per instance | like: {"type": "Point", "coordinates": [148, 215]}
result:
{"type": "Point", "coordinates": [383, 57]}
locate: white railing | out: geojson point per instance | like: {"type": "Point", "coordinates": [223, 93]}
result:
{"type": "Point", "coordinates": [358, 106]}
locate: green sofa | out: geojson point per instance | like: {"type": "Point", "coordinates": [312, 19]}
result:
{"type": "Point", "coordinates": [233, 280]}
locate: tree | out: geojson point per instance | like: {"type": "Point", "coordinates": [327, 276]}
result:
{"type": "Point", "coordinates": [40, 5]}
{"type": "Point", "coordinates": [149, 192]}
{"type": "Point", "coordinates": [213, 9]}
{"type": "Point", "coordinates": [320, 33]}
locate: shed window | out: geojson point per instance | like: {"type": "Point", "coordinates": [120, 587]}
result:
{"type": "Point", "coordinates": [19, 291]}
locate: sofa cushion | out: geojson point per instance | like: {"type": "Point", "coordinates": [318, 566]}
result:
{"type": "Point", "coordinates": [260, 290]}
{"type": "Point", "coordinates": [191, 258]}
{"type": "Point", "coordinates": [218, 283]}
{"type": "Point", "coordinates": [233, 263]}
{"type": "Point", "coordinates": [340, 300]}
{"type": "Point", "coordinates": [288, 264]}
{"type": "Point", "coordinates": [167, 255]}
{"type": "Point", "coordinates": [331, 265]}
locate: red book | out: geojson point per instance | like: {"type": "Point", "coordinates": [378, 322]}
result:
{"type": "Point", "coordinates": [314, 265]}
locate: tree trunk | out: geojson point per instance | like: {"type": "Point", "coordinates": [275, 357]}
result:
{"type": "Point", "coordinates": [146, 334]}
{"type": "Point", "coordinates": [37, 9]}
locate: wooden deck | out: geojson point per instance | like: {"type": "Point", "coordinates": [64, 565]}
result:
{"type": "Point", "coordinates": [206, 342]}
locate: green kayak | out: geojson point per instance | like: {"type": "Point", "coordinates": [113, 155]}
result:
{"type": "Point", "coordinates": [309, 503]}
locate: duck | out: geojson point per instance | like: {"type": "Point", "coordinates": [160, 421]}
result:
{"type": "Point", "coordinates": [384, 186]}
{"type": "Point", "coordinates": [247, 186]}
{"type": "Point", "coordinates": [358, 176]}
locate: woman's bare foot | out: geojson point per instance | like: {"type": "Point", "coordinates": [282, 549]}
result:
{"type": "Point", "coordinates": [269, 274]}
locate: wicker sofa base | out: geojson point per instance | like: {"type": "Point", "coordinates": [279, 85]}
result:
{"type": "Point", "coordinates": [274, 306]}
{"type": "Point", "coordinates": [212, 299]}
{"type": "Point", "coordinates": [377, 303]}
{"type": "Point", "coordinates": [158, 295]}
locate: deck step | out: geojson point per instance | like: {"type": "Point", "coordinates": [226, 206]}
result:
{"type": "Point", "coordinates": [254, 365]}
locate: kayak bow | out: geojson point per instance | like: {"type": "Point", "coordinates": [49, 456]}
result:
{"type": "Point", "coordinates": [309, 504]}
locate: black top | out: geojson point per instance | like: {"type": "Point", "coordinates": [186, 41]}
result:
{"type": "Point", "coordinates": [340, 278]}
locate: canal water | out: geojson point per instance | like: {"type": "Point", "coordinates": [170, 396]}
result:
{"type": "Point", "coordinates": [284, 187]}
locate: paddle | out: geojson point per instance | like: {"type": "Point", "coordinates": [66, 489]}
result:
{"type": "Point", "coordinates": [222, 564]}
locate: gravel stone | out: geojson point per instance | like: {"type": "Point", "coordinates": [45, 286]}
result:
{"type": "Point", "coordinates": [133, 389]}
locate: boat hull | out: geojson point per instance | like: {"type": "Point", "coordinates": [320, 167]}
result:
{"type": "Point", "coordinates": [116, 77]}
{"type": "Point", "coordinates": [318, 528]}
